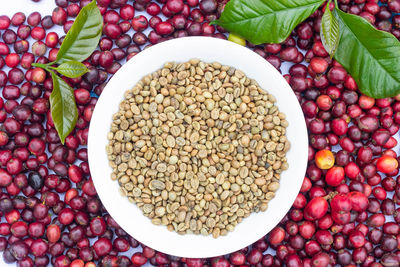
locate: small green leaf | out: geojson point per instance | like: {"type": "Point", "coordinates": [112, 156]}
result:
{"type": "Point", "coordinates": [84, 35]}
{"type": "Point", "coordinates": [329, 31]}
{"type": "Point", "coordinates": [63, 107]}
{"type": "Point", "coordinates": [371, 56]}
{"type": "Point", "coordinates": [265, 21]}
{"type": "Point", "coordinates": [72, 69]}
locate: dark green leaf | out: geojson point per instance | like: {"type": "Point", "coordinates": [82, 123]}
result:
{"type": "Point", "coordinates": [63, 107]}
{"type": "Point", "coordinates": [84, 35]}
{"type": "Point", "coordinates": [72, 69]}
{"type": "Point", "coordinates": [329, 31]}
{"type": "Point", "coordinates": [265, 21]}
{"type": "Point", "coordinates": [371, 56]}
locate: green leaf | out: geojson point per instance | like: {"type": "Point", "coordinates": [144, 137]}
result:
{"type": "Point", "coordinates": [84, 35]}
{"type": "Point", "coordinates": [329, 31]}
{"type": "Point", "coordinates": [71, 69]}
{"type": "Point", "coordinates": [371, 56]}
{"type": "Point", "coordinates": [63, 107]}
{"type": "Point", "coordinates": [265, 21]}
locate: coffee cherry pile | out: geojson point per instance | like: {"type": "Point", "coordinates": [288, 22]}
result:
{"type": "Point", "coordinates": [347, 212]}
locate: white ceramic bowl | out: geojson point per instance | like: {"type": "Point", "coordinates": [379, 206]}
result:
{"type": "Point", "coordinates": [128, 216]}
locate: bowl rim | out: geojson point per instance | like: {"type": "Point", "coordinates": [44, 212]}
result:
{"type": "Point", "coordinates": [221, 249]}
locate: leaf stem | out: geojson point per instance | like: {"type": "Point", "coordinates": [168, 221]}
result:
{"type": "Point", "coordinates": [43, 66]}
{"type": "Point", "coordinates": [336, 4]}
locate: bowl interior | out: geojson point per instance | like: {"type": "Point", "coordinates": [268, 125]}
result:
{"type": "Point", "coordinates": [128, 216]}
